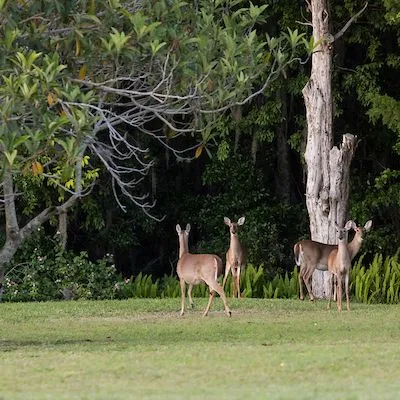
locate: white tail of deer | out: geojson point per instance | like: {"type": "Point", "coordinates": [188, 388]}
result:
{"type": "Point", "coordinates": [235, 256]}
{"type": "Point", "coordinates": [339, 264]}
{"type": "Point", "coordinates": [197, 268]}
{"type": "Point", "coordinates": [311, 255]}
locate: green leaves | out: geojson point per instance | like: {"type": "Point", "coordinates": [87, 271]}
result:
{"type": "Point", "coordinates": [116, 42]}
{"type": "Point", "coordinates": [10, 156]}
{"type": "Point", "coordinates": [379, 283]}
{"type": "Point", "coordinates": [25, 62]}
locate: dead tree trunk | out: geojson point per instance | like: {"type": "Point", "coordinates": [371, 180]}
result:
{"type": "Point", "coordinates": [327, 188]}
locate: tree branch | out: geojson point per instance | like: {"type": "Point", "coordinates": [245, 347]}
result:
{"type": "Point", "coordinates": [349, 22]}
{"type": "Point", "coordinates": [12, 227]}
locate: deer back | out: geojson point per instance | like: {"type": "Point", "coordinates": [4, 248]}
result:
{"type": "Point", "coordinates": [195, 268]}
{"type": "Point", "coordinates": [315, 253]}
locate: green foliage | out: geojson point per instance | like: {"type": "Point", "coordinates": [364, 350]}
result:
{"type": "Point", "coordinates": [49, 273]}
{"type": "Point", "coordinates": [142, 286]}
{"type": "Point", "coordinates": [59, 274]}
{"type": "Point", "coordinates": [377, 283]}
{"type": "Point", "coordinates": [237, 188]}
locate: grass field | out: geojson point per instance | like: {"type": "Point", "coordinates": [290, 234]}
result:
{"type": "Point", "coordinates": [142, 349]}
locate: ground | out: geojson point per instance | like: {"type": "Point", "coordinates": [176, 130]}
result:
{"type": "Point", "coordinates": [141, 348]}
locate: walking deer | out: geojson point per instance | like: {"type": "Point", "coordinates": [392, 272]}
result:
{"type": "Point", "coordinates": [235, 256]}
{"type": "Point", "coordinates": [311, 255]}
{"type": "Point", "coordinates": [339, 264]}
{"type": "Point", "coordinates": [196, 268]}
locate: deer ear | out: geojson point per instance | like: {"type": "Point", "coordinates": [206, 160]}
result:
{"type": "Point", "coordinates": [187, 228]}
{"type": "Point", "coordinates": [368, 225]}
{"type": "Point", "coordinates": [241, 221]}
{"type": "Point", "coordinates": [178, 228]}
{"type": "Point", "coordinates": [227, 221]}
{"type": "Point", "coordinates": [349, 225]}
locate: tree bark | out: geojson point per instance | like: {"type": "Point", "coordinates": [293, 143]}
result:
{"type": "Point", "coordinates": [327, 188]}
{"type": "Point", "coordinates": [63, 228]}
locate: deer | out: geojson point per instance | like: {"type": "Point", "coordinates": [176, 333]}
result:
{"type": "Point", "coordinates": [235, 256]}
{"type": "Point", "coordinates": [311, 255]}
{"type": "Point", "coordinates": [339, 264]}
{"type": "Point", "coordinates": [197, 268]}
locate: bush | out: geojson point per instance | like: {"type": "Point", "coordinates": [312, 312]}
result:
{"type": "Point", "coordinates": [47, 272]}
{"type": "Point", "coordinates": [379, 283]}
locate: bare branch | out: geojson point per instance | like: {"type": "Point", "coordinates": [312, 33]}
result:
{"type": "Point", "coordinates": [349, 22]}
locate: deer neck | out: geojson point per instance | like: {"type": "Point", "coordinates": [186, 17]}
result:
{"type": "Point", "coordinates": [355, 245]}
{"type": "Point", "coordinates": [183, 245]}
{"type": "Point", "coordinates": [343, 251]}
{"type": "Point", "coordinates": [235, 244]}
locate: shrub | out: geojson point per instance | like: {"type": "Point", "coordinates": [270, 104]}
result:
{"type": "Point", "coordinates": [379, 283]}
{"type": "Point", "coordinates": [52, 273]}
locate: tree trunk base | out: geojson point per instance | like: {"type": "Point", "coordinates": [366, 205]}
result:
{"type": "Point", "coordinates": [320, 284]}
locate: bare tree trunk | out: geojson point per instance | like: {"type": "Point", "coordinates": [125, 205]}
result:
{"type": "Point", "coordinates": [63, 228]}
{"type": "Point", "coordinates": [327, 187]}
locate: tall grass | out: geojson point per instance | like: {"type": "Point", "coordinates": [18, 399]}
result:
{"type": "Point", "coordinates": [377, 283]}
{"type": "Point", "coordinates": [253, 284]}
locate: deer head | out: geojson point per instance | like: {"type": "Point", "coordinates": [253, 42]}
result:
{"type": "Point", "coordinates": [233, 226]}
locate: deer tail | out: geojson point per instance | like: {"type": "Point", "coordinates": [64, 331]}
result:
{"type": "Point", "coordinates": [298, 251]}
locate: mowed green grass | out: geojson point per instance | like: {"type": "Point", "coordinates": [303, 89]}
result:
{"type": "Point", "coordinates": [142, 349]}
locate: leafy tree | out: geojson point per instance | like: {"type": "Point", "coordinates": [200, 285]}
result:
{"type": "Point", "coordinates": [85, 82]}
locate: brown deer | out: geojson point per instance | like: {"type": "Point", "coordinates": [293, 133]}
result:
{"type": "Point", "coordinates": [235, 256]}
{"type": "Point", "coordinates": [311, 255]}
{"type": "Point", "coordinates": [197, 268]}
{"type": "Point", "coordinates": [339, 264]}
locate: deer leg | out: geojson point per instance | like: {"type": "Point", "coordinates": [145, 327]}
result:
{"type": "Point", "coordinates": [227, 268]}
{"type": "Point", "coordinates": [334, 288]}
{"type": "Point", "coordinates": [301, 285]}
{"type": "Point", "coordinates": [308, 286]}
{"type": "Point", "coordinates": [190, 295]}
{"type": "Point", "coordinates": [234, 285]}
{"type": "Point", "coordinates": [346, 284]}
{"type": "Point", "coordinates": [183, 290]}
{"type": "Point", "coordinates": [216, 287]}
{"type": "Point", "coordinates": [339, 292]}
{"type": "Point", "coordinates": [210, 300]}
{"type": "Point", "coordinates": [330, 283]}
{"type": "Point", "coordinates": [239, 295]}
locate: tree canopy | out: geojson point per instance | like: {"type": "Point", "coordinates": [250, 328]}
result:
{"type": "Point", "coordinates": [106, 101]}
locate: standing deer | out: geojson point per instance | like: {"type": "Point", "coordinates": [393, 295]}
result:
{"type": "Point", "coordinates": [196, 268]}
{"type": "Point", "coordinates": [311, 255]}
{"type": "Point", "coordinates": [339, 264]}
{"type": "Point", "coordinates": [235, 256]}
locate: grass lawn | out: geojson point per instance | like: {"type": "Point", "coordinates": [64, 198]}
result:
{"type": "Point", "coordinates": [142, 349]}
